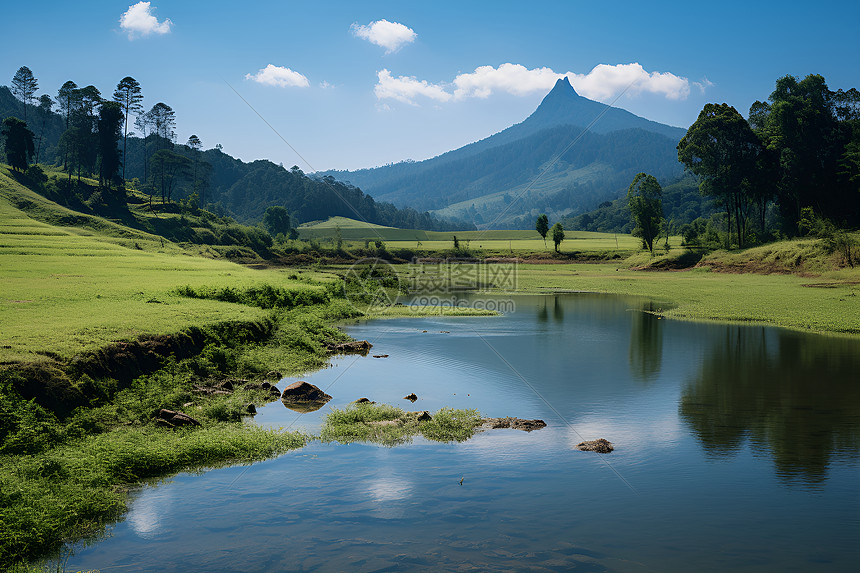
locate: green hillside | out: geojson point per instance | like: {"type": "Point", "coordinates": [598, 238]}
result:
{"type": "Point", "coordinates": [73, 282]}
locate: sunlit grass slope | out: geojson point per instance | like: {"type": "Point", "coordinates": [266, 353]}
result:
{"type": "Point", "coordinates": [67, 289]}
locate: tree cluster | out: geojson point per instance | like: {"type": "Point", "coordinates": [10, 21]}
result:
{"type": "Point", "coordinates": [799, 150]}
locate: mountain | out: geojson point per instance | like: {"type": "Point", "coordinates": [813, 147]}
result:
{"type": "Point", "coordinates": [568, 156]}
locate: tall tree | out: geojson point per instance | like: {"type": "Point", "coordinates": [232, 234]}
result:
{"type": "Point", "coordinates": [66, 97]}
{"type": "Point", "coordinates": [128, 96]}
{"type": "Point", "coordinates": [66, 100]}
{"type": "Point", "coordinates": [542, 226]}
{"type": "Point", "coordinates": [109, 134]}
{"type": "Point", "coordinates": [85, 118]}
{"type": "Point", "coordinates": [168, 169]}
{"type": "Point", "coordinates": [79, 143]}
{"type": "Point", "coordinates": [163, 123]}
{"type": "Point", "coordinates": [143, 123]}
{"type": "Point", "coordinates": [645, 199]}
{"type": "Point", "coordinates": [195, 145]}
{"type": "Point", "coordinates": [24, 86]}
{"type": "Point", "coordinates": [46, 106]}
{"type": "Point", "coordinates": [721, 148]}
{"type": "Point", "coordinates": [19, 143]}
{"type": "Point", "coordinates": [557, 235]}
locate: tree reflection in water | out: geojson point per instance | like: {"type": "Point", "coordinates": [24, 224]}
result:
{"type": "Point", "coordinates": [796, 396]}
{"type": "Point", "coordinates": [646, 344]}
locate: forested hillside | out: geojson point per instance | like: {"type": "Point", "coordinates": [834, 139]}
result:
{"type": "Point", "coordinates": [174, 171]}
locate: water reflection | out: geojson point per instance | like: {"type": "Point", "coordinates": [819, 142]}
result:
{"type": "Point", "coordinates": [542, 310]}
{"type": "Point", "coordinates": [646, 344]}
{"type": "Point", "coordinates": [794, 395]}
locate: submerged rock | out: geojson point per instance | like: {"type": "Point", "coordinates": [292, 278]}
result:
{"type": "Point", "coordinates": [380, 356]}
{"type": "Point", "coordinates": [513, 423]}
{"type": "Point", "coordinates": [600, 446]}
{"type": "Point", "coordinates": [171, 419]}
{"type": "Point", "coordinates": [304, 392]}
{"type": "Point", "coordinates": [411, 397]}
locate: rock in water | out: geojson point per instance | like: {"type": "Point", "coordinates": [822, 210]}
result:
{"type": "Point", "coordinates": [600, 446]}
{"type": "Point", "coordinates": [411, 397]}
{"type": "Point", "coordinates": [304, 392]}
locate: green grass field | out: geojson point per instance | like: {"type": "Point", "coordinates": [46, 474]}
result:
{"type": "Point", "coordinates": [65, 290]}
{"type": "Point", "coordinates": [488, 243]}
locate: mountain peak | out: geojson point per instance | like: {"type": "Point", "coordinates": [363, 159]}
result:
{"type": "Point", "coordinates": [563, 106]}
{"type": "Point", "coordinates": [562, 86]}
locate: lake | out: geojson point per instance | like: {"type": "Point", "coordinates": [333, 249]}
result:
{"type": "Point", "coordinates": [737, 448]}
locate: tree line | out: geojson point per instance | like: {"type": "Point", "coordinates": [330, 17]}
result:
{"type": "Point", "coordinates": [795, 160]}
{"type": "Point", "coordinates": [95, 134]}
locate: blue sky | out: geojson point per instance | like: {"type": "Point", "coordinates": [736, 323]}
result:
{"type": "Point", "coordinates": [358, 84]}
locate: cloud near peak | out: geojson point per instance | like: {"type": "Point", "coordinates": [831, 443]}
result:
{"type": "Point", "coordinates": [603, 83]}
{"type": "Point", "coordinates": [407, 88]}
{"type": "Point", "coordinates": [278, 76]}
{"type": "Point", "coordinates": [139, 21]}
{"type": "Point", "coordinates": [390, 35]}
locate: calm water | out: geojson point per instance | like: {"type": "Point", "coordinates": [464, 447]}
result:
{"type": "Point", "coordinates": [736, 449]}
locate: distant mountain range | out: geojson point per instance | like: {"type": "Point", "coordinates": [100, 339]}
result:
{"type": "Point", "coordinates": [566, 158]}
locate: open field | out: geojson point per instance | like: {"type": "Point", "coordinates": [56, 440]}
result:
{"type": "Point", "coordinates": [488, 243]}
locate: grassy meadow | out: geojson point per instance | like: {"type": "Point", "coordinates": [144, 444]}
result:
{"type": "Point", "coordinates": [522, 243]}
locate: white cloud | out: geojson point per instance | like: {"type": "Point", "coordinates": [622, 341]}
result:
{"type": "Point", "coordinates": [605, 82]}
{"type": "Point", "coordinates": [389, 35]}
{"type": "Point", "coordinates": [407, 88]}
{"type": "Point", "coordinates": [511, 78]}
{"type": "Point", "coordinates": [280, 77]}
{"type": "Point", "coordinates": [703, 85]}
{"type": "Point", "coordinates": [139, 21]}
